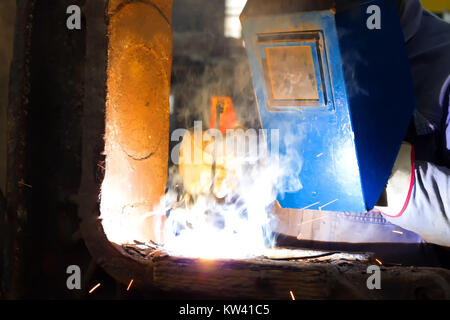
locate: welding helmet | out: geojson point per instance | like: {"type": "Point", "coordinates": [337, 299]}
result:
{"type": "Point", "coordinates": [333, 78]}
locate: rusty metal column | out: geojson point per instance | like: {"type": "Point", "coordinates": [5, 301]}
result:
{"type": "Point", "coordinates": [137, 116]}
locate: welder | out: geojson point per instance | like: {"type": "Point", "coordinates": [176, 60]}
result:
{"type": "Point", "coordinates": [418, 191]}
{"type": "Point", "coordinates": [425, 208]}
{"type": "Point", "coordinates": [417, 194]}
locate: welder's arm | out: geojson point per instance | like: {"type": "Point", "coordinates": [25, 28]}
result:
{"type": "Point", "coordinates": [418, 195]}
{"type": "Point", "coordinates": [420, 191]}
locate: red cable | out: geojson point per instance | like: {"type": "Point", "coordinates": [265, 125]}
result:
{"type": "Point", "coordinates": [411, 185]}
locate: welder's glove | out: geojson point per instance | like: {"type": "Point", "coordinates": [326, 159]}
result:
{"type": "Point", "coordinates": [400, 183]}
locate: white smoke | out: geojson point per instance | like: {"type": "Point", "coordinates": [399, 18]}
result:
{"type": "Point", "coordinates": [240, 224]}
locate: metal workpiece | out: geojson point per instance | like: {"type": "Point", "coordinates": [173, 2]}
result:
{"type": "Point", "coordinates": [137, 111]}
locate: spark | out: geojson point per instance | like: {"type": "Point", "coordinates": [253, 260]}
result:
{"type": "Point", "coordinates": [310, 205]}
{"type": "Point", "coordinates": [309, 221]}
{"type": "Point", "coordinates": [129, 286]}
{"type": "Point", "coordinates": [379, 262]}
{"type": "Point", "coordinates": [24, 184]}
{"type": "Point", "coordinates": [92, 290]}
{"type": "Point", "coordinates": [292, 295]}
{"type": "Point", "coordinates": [399, 232]}
{"type": "Point", "coordinates": [326, 204]}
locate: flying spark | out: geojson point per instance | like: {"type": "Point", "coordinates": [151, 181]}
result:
{"type": "Point", "coordinates": [310, 205]}
{"type": "Point", "coordinates": [312, 220]}
{"type": "Point", "coordinates": [327, 204]}
{"type": "Point", "coordinates": [92, 290]}
{"type": "Point", "coordinates": [129, 286]}
{"type": "Point", "coordinates": [292, 295]}
{"type": "Point", "coordinates": [24, 184]}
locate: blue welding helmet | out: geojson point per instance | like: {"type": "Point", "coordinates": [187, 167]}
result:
{"type": "Point", "coordinates": [339, 86]}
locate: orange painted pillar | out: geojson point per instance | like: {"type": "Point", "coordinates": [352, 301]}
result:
{"type": "Point", "coordinates": [137, 117]}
